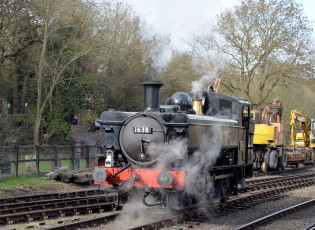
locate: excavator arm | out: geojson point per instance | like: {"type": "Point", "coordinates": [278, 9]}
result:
{"type": "Point", "coordinates": [274, 108]}
{"type": "Point", "coordinates": [298, 116]}
{"type": "Point", "coordinates": [214, 84]}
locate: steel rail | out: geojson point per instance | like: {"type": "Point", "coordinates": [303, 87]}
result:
{"type": "Point", "coordinates": [275, 215]}
{"type": "Point", "coordinates": [311, 227]}
{"type": "Point", "coordinates": [87, 223]}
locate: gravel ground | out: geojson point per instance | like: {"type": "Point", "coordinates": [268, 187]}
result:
{"type": "Point", "coordinates": [298, 220]}
{"type": "Point", "coordinates": [236, 219]}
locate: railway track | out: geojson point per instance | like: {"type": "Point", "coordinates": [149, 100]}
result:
{"type": "Point", "coordinates": [281, 172]}
{"type": "Point", "coordinates": [266, 183]}
{"type": "Point", "coordinates": [60, 195]}
{"type": "Point", "coordinates": [42, 207]}
{"type": "Point", "coordinates": [241, 202]}
{"type": "Point", "coordinates": [15, 211]}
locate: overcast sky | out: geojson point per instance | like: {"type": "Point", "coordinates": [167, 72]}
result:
{"type": "Point", "coordinates": [181, 18]}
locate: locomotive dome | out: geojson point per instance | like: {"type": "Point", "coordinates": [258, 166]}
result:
{"type": "Point", "coordinates": [182, 99]}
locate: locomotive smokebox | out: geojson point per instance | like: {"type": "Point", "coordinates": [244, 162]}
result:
{"type": "Point", "coordinates": [152, 96]}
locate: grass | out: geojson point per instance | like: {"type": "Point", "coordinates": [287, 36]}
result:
{"type": "Point", "coordinates": [13, 182]}
{"type": "Point", "coordinates": [45, 166]}
{"type": "Point", "coordinates": [31, 178]}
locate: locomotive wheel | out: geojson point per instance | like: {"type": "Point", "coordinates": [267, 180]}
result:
{"type": "Point", "coordinates": [266, 157]}
{"type": "Point", "coordinates": [255, 164]}
{"type": "Point", "coordinates": [283, 160]}
{"type": "Point", "coordinates": [264, 166]}
{"type": "Point", "coordinates": [273, 159]}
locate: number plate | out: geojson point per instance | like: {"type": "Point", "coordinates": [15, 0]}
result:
{"type": "Point", "coordinates": [142, 129]}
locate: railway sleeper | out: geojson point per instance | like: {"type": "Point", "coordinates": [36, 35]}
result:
{"type": "Point", "coordinates": [247, 204]}
{"type": "Point", "coordinates": [232, 209]}
{"type": "Point", "coordinates": [242, 207]}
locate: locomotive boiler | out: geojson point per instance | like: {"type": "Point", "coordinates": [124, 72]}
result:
{"type": "Point", "coordinates": [190, 150]}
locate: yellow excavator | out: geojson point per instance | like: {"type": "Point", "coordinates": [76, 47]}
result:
{"type": "Point", "coordinates": [268, 141]}
{"type": "Point", "coordinates": [302, 147]}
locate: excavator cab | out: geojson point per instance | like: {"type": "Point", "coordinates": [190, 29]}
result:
{"type": "Point", "coordinates": [255, 116]}
{"type": "Point", "coordinates": [268, 139]}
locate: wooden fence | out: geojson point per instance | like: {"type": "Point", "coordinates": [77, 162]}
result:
{"type": "Point", "coordinates": [27, 159]}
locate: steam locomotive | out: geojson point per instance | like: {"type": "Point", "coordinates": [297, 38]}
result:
{"type": "Point", "coordinates": [194, 148]}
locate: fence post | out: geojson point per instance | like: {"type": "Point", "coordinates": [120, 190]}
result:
{"type": "Point", "coordinates": [77, 150]}
{"type": "Point", "coordinates": [87, 156]}
{"type": "Point", "coordinates": [16, 173]}
{"type": "Point", "coordinates": [56, 157]}
{"type": "Point", "coordinates": [37, 159]}
{"type": "Point", "coordinates": [58, 163]}
{"type": "Point", "coordinates": [72, 156]}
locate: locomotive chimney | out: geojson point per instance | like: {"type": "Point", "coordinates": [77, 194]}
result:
{"type": "Point", "coordinates": [152, 96]}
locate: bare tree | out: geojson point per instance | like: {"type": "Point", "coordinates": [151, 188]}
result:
{"type": "Point", "coordinates": [178, 74]}
{"type": "Point", "coordinates": [266, 42]}
{"type": "Point", "coordinates": [74, 22]}
{"type": "Point", "coordinates": [125, 57]}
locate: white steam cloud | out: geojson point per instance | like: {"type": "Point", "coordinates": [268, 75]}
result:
{"type": "Point", "coordinates": [202, 82]}
{"type": "Point", "coordinates": [177, 152]}
{"type": "Point", "coordinates": [160, 53]}
{"type": "Point", "coordinates": [211, 64]}
{"type": "Point", "coordinates": [135, 213]}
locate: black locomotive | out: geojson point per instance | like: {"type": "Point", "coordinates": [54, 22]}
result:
{"type": "Point", "coordinates": [194, 148]}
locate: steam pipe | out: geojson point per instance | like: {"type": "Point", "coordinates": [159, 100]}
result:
{"type": "Point", "coordinates": [147, 192]}
{"type": "Point", "coordinates": [147, 204]}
